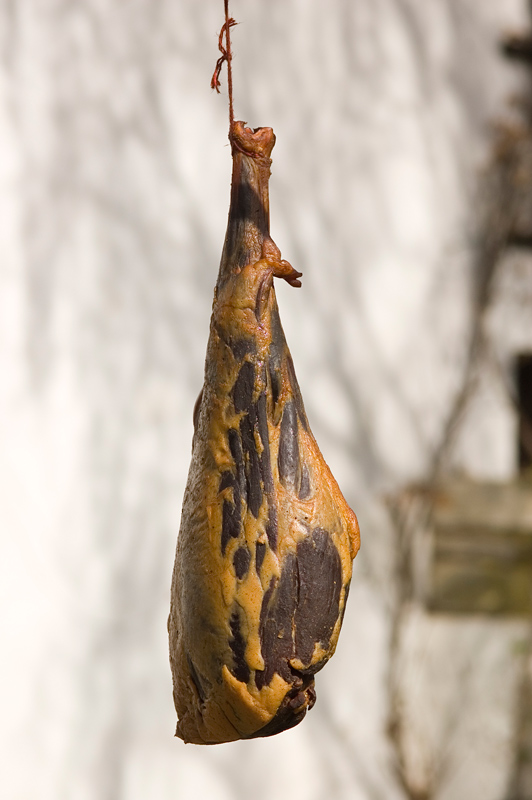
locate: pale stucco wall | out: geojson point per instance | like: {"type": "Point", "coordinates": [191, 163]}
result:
{"type": "Point", "coordinates": [114, 183]}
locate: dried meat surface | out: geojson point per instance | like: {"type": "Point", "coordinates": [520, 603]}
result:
{"type": "Point", "coordinates": [266, 544]}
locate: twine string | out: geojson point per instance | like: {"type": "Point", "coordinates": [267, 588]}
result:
{"type": "Point", "coordinates": [224, 46]}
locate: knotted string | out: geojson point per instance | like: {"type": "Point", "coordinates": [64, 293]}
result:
{"type": "Point", "coordinates": [227, 56]}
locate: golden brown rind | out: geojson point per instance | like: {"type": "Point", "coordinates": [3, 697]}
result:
{"type": "Point", "coordinates": [266, 543]}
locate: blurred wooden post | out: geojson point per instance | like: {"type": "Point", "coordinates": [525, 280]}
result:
{"type": "Point", "coordinates": [519, 47]}
{"type": "Point", "coordinates": [482, 549]}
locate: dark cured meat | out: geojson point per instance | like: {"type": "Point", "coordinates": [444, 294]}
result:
{"type": "Point", "coordinates": [266, 543]}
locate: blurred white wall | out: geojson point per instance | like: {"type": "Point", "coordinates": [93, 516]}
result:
{"type": "Point", "coordinates": [114, 188]}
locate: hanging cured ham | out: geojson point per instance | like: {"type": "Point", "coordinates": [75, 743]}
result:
{"type": "Point", "coordinates": [266, 543]}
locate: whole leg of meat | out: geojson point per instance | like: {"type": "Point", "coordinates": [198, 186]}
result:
{"type": "Point", "coordinates": [266, 543]}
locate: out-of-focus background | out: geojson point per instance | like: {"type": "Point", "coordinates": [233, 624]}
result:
{"type": "Point", "coordinates": [401, 188]}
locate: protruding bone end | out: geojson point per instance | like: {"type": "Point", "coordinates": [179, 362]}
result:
{"type": "Point", "coordinates": [257, 142]}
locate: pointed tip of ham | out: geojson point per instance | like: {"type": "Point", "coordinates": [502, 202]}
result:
{"type": "Point", "coordinates": [253, 142]}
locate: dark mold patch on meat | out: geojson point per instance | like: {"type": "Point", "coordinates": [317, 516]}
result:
{"type": "Point", "coordinates": [320, 585]}
{"type": "Point", "coordinates": [288, 457]}
{"type": "Point", "coordinates": [238, 646]}
{"type": "Point", "coordinates": [241, 562]}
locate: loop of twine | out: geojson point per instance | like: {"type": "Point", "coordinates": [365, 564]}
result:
{"type": "Point", "coordinates": [226, 57]}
